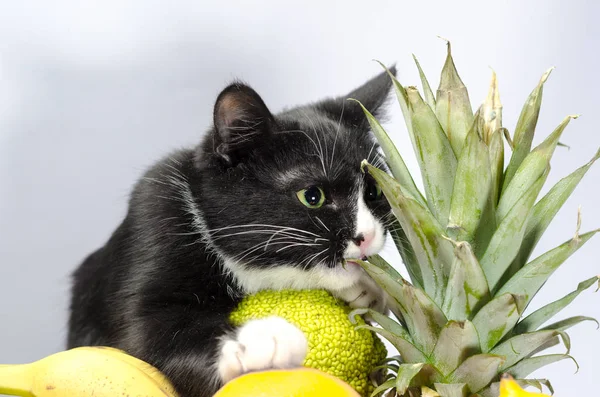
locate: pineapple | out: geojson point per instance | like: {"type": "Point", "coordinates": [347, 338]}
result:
{"type": "Point", "coordinates": [467, 245]}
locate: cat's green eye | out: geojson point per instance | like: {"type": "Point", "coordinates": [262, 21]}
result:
{"type": "Point", "coordinates": [373, 191]}
{"type": "Point", "coordinates": [312, 197]}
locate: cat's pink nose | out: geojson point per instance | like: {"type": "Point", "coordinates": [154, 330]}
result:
{"type": "Point", "coordinates": [363, 240]}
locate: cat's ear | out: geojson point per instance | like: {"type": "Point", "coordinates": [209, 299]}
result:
{"type": "Point", "coordinates": [241, 120]}
{"type": "Point", "coordinates": [373, 95]}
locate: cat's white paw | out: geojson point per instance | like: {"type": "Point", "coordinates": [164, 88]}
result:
{"type": "Point", "coordinates": [262, 344]}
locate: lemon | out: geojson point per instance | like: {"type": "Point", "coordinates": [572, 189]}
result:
{"type": "Point", "coordinates": [335, 346]}
{"type": "Point", "coordinates": [300, 382]}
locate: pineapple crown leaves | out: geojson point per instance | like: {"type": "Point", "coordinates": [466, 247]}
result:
{"type": "Point", "coordinates": [467, 241]}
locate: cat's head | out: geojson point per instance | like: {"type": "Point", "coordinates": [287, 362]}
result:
{"type": "Point", "coordinates": [286, 192]}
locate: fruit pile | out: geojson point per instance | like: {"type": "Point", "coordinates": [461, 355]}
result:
{"type": "Point", "coordinates": [336, 345]}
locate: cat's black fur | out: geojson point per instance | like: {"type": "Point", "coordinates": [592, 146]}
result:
{"type": "Point", "coordinates": [158, 288]}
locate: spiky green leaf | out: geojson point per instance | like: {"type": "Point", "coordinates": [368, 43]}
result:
{"type": "Point", "coordinates": [406, 373]}
{"type": "Point", "coordinates": [467, 287]}
{"type": "Point", "coordinates": [452, 389]}
{"type": "Point", "coordinates": [433, 253]}
{"type": "Point", "coordinates": [493, 390]}
{"type": "Point", "coordinates": [386, 367]}
{"type": "Point", "coordinates": [525, 367]}
{"type": "Point", "coordinates": [387, 385]}
{"type": "Point", "coordinates": [477, 371]}
{"type": "Point", "coordinates": [496, 319]}
{"type": "Point", "coordinates": [537, 383]}
{"type": "Point", "coordinates": [393, 158]}
{"type": "Point", "coordinates": [424, 320]}
{"type": "Point", "coordinates": [492, 111]}
{"type": "Point", "coordinates": [406, 253]}
{"type": "Point", "coordinates": [408, 351]}
{"type": "Point", "coordinates": [496, 151]}
{"type": "Point", "coordinates": [507, 239]}
{"type": "Point", "coordinates": [522, 346]}
{"type": "Point", "coordinates": [392, 274]}
{"type": "Point", "coordinates": [471, 208]}
{"type": "Point", "coordinates": [570, 322]}
{"type": "Point", "coordinates": [425, 392]}
{"type": "Point", "coordinates": [457, 341]}
{"type": "Point", "coordinates": [551, 343]}
{"type": "Point", "coordinates": [532, 167]}
{"type": "Point", "coordinates": [453, 107]}
{"type": "Point", "coordinates": [435, 155]}
{"type": "Point", "coordinates": [402, 97]}
{"type": "Point", "coordinates": [396, 359]}
{"type": "Point", "coordinates": [532, 276]}
{"type": "Point", "coordinates": [524, 131]}
{"type": "Point", "coordinates": [384, 321]}
{"type": "Point", "coordinates": [543, 314]}
{"type": "Point", "coordinates": [429, 97]}
{"type": "Point", "coordinates": [545, 210]}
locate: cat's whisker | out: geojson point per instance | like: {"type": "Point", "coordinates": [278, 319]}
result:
{"type": "Point", "coordinates": [269, 232]}
{"type": "Point", "coordinates": [296, 245]}
{"type": "Point", "coordinates": [325, 146]}
{"type": "Point", "coordinates": [168, 198]}
{"type": "Point", "coordinates": [320, 147]}
{"type": "Point", "coordinates": [249, 251]}
{"type": "Point", "coordinates": [380, 161]}
{"type": "Point", "coordinates": [388, 220]}
{"type": "Point", "coordinates": [337, 132]}
{"type": "Point", "coordinates": [389, 224]}
{"type": "Point", "coordinates": [263, 244]}
{"type": "Point", "coordinates": [284, 231]}
{"type": "Point", "coordinates": [301, 263]}
{"type": "Point", "coordinates": [319, 153]}
{"type": "Point", "coordinates": [371, 151]}
{"type": "Point", "coordinates": [278, 241]}
{"type": "Point", "coordinates": [262, 225]}
{"type": "Point", "coordinates": [321, 222]}
{"type": "Point", "coordinates": [185, 233]}
{"type": "Point", "coordinates": [335, 257]}
{"type": "Point", "coordinates": [174, 160]}
{"type": "Point", "coordinates": [287, 237]}
{"type": "Point", "coordinates": [154, 180]}
{"type": "Point", "coordinates": [176, 172]}
{"type": "Point", "coordinates": [311, 258]}
{"type": "Point", "coordinates": [314, 223]}
{"type": "Point", "coordinates": [319, 254]}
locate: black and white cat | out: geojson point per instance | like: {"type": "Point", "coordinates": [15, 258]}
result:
{"type": "Point", "coordinates": [264, 202]}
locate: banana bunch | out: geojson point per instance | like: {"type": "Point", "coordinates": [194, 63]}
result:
{"type": "Point", "coordinates": [84, 372]}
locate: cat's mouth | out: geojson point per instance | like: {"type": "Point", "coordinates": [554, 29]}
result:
{"type": "Point", "coordinates": [352, 263]}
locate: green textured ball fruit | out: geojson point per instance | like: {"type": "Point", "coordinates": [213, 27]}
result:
{"type": "Point", "coordinates": [335, 345]}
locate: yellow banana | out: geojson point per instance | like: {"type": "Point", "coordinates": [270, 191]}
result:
{"type": "Point", "coordinates": [510, 388]}
{"type": "Point", "coordinates": [151, 371]}
{"type": "Point", "coordinates": [83, 372]}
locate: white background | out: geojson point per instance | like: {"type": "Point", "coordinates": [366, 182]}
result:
{"type": "Point", "coordinates": [91, 93]}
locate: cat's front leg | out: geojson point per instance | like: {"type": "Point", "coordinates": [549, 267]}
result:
{"type": "Point", "coordinates": [199, 351]}
{"type": "Point", "coordinates": [261, 344]}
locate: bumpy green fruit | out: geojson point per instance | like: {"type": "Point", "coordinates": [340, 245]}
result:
{"type": "Point", "coordinates": [335, 345]}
